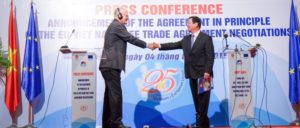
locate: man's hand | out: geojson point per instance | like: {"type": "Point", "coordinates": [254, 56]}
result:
{"type": "Point", "coordinates": [153, 45]}
{"type": "Point", "coordinates": [206, 76]}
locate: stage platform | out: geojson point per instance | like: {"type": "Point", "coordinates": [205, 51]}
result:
{"type": "Point", "coordinates": [251, 127]}
{"type": "Point", "coordinates": [265, 127]}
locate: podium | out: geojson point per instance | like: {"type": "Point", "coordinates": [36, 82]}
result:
{"type": "Point", "coordinates": [240, 102]}
{"type": "Point", "coordinates": [83, 88]}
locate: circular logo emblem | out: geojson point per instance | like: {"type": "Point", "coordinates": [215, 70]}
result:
{"type": "Point", "coordinates": [160, 84]}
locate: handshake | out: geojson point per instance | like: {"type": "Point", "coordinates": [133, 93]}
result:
{"type": "Point", "coordinates": [153, 45]}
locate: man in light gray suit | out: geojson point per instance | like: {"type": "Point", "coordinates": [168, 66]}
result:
{"type": "Point", "coordinates": [112, 63]}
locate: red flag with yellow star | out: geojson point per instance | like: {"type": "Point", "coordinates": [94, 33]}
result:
{"type": "Point", "coordinates": [12, 84]}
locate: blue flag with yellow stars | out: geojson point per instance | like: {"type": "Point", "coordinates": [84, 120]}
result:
{"type": "Point", "coordinates": [294, 57]}
{"type": "Point", "coordinates": [31, 72]}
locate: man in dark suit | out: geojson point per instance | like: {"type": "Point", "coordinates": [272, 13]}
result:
{"type": "Point", "coordinates": [198, 53]}
{"type": "Point", "coordinates": [112, 63]}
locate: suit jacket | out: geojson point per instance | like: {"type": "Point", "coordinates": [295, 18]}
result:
{"type": "Point", "coordinates": [198, 59]}
{"type": "Point", "coordinates": [115, 44]}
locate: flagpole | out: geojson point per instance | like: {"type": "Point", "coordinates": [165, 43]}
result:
{"type": "Point", "coordinates": [296, 108]}
{"type": "Point", "coordinates": [14, 121]}
{"type": "Point", "coordinates": [10, 81]}
{"type": "Point", "coordinates": [29, 105]}
{"type": "Point", "coordinates": [294, 82]}
{"type": "Point", "coordinates": [29, 114]}
{"type": "Point", "coordinates": [30, 117]}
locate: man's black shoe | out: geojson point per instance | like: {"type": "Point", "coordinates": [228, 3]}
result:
{"type": "Point", "coordinates": [123, 126]}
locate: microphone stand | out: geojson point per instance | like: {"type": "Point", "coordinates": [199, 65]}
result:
{"type": "Point", "coordinates": [65, 49]}
{"type": "Point", "coordinates": [249, 44]}
{"type": "Point", "coordinates": [253, 49]}
{"type": "Point", "coordinates": [226, 43]}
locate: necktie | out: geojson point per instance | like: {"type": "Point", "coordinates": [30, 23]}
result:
{"type": "Point", "coordinates": [192, 40]}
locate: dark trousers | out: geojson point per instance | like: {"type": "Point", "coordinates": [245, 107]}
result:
{"type": "Point", "coordinates": [201, 102]}
{"type": "Point", "coordinates": [112, 107]}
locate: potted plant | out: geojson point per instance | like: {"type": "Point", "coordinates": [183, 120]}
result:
{"type": "Point", "coordinates": [4, 63]}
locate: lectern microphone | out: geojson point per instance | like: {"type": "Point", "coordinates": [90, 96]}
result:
{"type": "Point", "coordinates": [225, 37]}
{"type": "Point", "coordinates": [252, 49]}
{"type": "Point", "coordinates": [65, 49]}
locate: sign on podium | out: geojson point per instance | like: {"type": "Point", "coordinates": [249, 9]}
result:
{"type": "Point", "coordinates": [241, 105]}
{"type": "Point", "coordinates": [83, 89]}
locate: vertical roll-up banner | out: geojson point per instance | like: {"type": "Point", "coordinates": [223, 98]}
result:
{"type": "Point", "coordinates": [241, 107]}
{"type": "Point", "coordinates": [83, 90]}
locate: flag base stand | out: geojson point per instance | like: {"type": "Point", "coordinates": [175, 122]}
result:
{"type": "Point", "coordinates": [12, 126]}
{"type": "Point", "coordinates": [295, 122]}
{"type": "Point", "coordinates": [29, 126]}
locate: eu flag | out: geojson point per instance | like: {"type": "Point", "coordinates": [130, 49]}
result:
{"type": "Point", "coordinates": [294, 57]}
{"type": "Point", "coordinates": [31, 73]}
